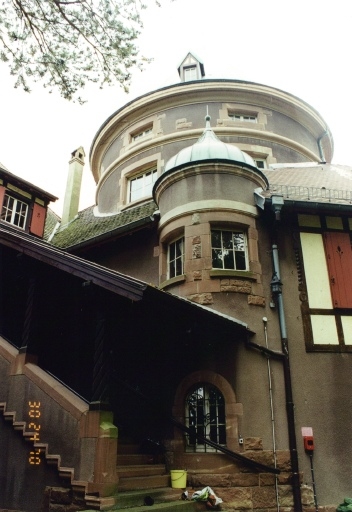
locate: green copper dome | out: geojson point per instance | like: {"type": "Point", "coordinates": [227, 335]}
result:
{"type": "Point", "coordinates": [209, 147]}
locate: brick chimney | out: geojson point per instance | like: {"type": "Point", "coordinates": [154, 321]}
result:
{"type": "Point", "coordinates": [73, 186]}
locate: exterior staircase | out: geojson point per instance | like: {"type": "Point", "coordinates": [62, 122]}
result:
{"type": "Point", "coordinates": [140, 471]}
{"type": "Point", "coordinates": [144, 482]}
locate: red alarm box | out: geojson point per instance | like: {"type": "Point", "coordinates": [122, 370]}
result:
{"type": "Point", "coordinates": [308, 443]}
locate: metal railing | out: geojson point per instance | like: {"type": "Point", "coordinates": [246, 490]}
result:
{"type": "Point", "coordinates": [311, 193]}
{"type": "Point", "coordinates": [233, 455]}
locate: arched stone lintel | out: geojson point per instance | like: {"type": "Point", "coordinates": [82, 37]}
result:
{"type": "Point", "coordinates": [232, 408]}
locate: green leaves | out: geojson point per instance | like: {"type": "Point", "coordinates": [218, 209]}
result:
{"type": "Point", "coordinates": [346, 506]}
{"type": "Point", "coordinates": [67, 43]}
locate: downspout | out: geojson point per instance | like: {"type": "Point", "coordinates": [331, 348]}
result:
{"type": "Point", "coordinates": [276, 287]}
{"type": "Point", "coordinates": [265, 320]}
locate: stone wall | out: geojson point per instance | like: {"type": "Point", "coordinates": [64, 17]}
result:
{"type": "Point", "coordinates": [254, 491]}
{"type": "Point", "coordinates": [60, 499]}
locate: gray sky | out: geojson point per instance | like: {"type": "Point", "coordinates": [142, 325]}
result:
{"type": "Point", "coordinates": [302, 47]}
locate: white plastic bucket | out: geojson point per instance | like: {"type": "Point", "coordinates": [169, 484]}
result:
{"type": "Point", "coordinates": [178, 478]}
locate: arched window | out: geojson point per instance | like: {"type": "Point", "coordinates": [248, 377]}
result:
{"type": "Point", "coordinates": [205, 417]}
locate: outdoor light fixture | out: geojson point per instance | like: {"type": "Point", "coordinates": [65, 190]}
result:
{"type": "Point", "coordinates": [275, 285]}
{"type": "Point", "coordinates": [277, 202]}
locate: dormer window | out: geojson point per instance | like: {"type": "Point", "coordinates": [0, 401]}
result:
{"type": "Point", "coordinates": [191, 68]}
{"type": "Point", "coordinates": [190, 73]}
{"type": "Point", "coordinates": [14, 211]}
{"type": "Point", "coordinates": [22, 204]}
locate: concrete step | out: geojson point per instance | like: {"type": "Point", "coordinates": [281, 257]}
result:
{"type": "Point", "coordinates": [141, 470]}
{"type": "Point", "coordinates": [179, 506]}
{"type": "Point", "coordinates": [96, 503]}
{"type": "Point", "coordinates": [129, 499]}
{"type": "Point", "coordinates": [143, 482]}
{"type": "Point", "coordinates": [164, 499]}
{"type": "Point", "coordinates": [174, 506]}
{"type": "Point", "coordinates": [129, 459]}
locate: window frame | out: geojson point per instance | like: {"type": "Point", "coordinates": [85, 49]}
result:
{"type": "Point", "coordinates": [13, 209]}
{"type": "Point", "coordinates": [143, 132]}
{"type": "Point", "coordinates": [233, 231]}
{"type": "Point", "coordinates": [194, 70]}
{"type": "Point", "coordinates": [200, 414]}
{"type": "Point", "coordinates": [176, 258]}
{"type": "Point", "coordinates": [331, 314]}
{"type": "Point", "coordinates": [242, 117]}
{"type": "Point", "coordinates": [146, 193]}
{"type": "Point", "coordinates": [261, 161]}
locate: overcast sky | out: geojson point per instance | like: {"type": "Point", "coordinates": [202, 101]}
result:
{"type": "Point", "coordinates": [302, 47]}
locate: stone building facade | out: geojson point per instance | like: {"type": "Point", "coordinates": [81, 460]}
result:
{"type": "Point", "coordinates": [220, 197]}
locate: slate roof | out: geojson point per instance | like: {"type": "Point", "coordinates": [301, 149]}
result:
{"type": "Point", "coordinates": [50, 222]}
{"type": "Point", "coordinates": [318, 183]}
{"type": "Point", "coordinates": [87, 228]}
{"type": "Point", "coordinates": [309, 183]}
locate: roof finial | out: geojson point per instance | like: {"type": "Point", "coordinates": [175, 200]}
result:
{"type": "Point", "coordinates": [207, 120]}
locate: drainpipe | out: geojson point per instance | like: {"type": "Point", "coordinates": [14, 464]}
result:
{"type": "Point", "coordinates": [265, 320]}
{"type": "Point", "coordinates": [276, 289]}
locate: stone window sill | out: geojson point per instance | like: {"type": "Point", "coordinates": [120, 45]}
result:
{"type": "Point", "coordinates": [243, 274]}
{"type": "Point", "coordinates": [170, 282]}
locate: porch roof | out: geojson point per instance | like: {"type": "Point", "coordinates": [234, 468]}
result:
{"type": "Point", "coordinates": [111, 280]}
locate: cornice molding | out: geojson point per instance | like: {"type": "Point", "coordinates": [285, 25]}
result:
{"type": "Point", "coordinates": [201, 92]}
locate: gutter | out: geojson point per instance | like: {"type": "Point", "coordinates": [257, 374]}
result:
{"type": "Point", "coordinates": [115, 233]}
{"type": "Point", "coordinates": [312, 205]}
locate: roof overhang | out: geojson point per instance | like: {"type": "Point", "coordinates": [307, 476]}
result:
{"type": "Point", "coordinates": [8, 176]}
{"type": "Point", "coordinates": [113, 281]}
{"type": "Point", "coordinates": [86, 270]}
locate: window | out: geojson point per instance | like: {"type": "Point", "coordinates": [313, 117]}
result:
{"type": "Point", "coordinates": [191, 73]}
{"type": "Point", "coordinates": [14, 211]}
{"type": "Point", "coordinates": [142, 133]}
{"type": "Point", "coordinates": [176, 258]}
{"type": "Point", "coordinates": [142, 185]}
{"type": "Point", "coordinates": [327, 301]}
{"type": "Point", "coordinates": [205, 417]}
{"type": "Point", "coordinates": [235, 116]}
{"type": "Point", "coordinates": [260, 163]}
{"type": "Point", "coordinates": [229, 250]}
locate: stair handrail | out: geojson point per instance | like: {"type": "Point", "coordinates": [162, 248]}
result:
{"type": "Point", "coordinates": [234, 455]}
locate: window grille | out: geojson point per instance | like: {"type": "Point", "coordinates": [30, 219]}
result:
{"type": "Point", "coordinates": [205, 417]}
